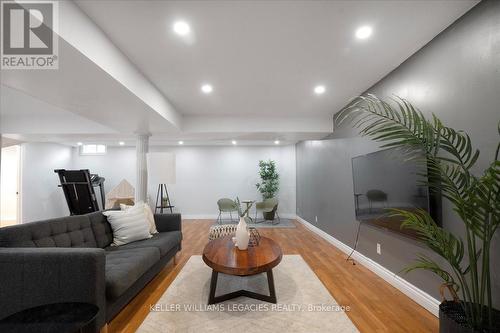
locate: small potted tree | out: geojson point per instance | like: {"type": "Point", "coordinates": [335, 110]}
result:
{"type": "Point", "coordinates": [269, 185]}
{"type": "Point", "coordinates": [449, 158]}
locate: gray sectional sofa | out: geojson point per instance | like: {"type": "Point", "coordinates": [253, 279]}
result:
{"type": "Point", "coordinates": [70, 259]}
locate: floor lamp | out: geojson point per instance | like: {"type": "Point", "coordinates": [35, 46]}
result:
{"type": "Point", "coordinates": [161, 171]}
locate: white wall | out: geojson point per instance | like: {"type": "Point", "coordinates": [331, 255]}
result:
{"type": "Point", "coordinates": [117, 164]}
{"type": "Point", "coordinates": [204, 174]}
{"type": "Point", "coordinates": [41, 198]}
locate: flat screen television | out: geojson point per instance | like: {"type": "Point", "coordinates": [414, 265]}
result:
{"type": "Point", "coordinates": [384, 179]}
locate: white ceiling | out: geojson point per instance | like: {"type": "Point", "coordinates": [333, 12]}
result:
{"type": "Point", "coordinates": [262, 57]}
{"type": "Point", "coordinates": [79, 88]}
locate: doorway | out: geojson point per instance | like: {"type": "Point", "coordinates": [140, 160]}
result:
{"type": "Point", "coordinates": [9, 185]}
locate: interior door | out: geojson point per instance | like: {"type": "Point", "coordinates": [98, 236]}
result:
{"type": "Point", "coordinates": [9, 185]}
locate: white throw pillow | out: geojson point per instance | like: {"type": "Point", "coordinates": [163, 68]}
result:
{"type": "Point", "coordinates": [128, 225]}
{"type": "Point", "coordinates": [149, 215]}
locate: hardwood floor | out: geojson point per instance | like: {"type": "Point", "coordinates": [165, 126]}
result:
{"type": "Point", "coordinates": [375, 305]}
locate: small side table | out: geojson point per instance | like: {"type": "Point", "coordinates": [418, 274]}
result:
{"type": "Point", "coordinates": [248, 203]}
{"type": "Point", "coordinates": [56, 317]}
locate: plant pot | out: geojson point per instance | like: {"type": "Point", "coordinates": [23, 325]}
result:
{"type": "Point", "coordinates": [269, 216]}
{"type": "Point", "coordinates": [452, 319]}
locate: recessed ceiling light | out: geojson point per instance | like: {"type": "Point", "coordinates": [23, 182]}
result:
{"type": "Point", "coordinates": [121, 143]}
{"type": "Point", "coordinates": [181, 28]}
{"type": "Point", "coordinates": [181, 142]}
{"type": "Point", "coordinates": [234, 142]}
{"type": "Point", "coordinates": [207, 88]}
{"type": "Point", "coordinates": [364, 32]}
{"type": "Point", "coordinates": [318, 90]}
{"type": "Point", "coordinates": [79, 143]}
{"type": "Point", "coordinates": [276, 142]}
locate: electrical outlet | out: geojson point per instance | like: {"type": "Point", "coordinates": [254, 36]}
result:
{"type": "Point", "coordinates": [316, 219]}
{"type": "Point", "coordinates": [379, 250]}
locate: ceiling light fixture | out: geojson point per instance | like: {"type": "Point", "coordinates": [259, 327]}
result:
{"type": "Point", "coordinates": [318, 90]}
{"type": "Point", "coordinates": [181, 28]}
{"type": "Point", "coordinates": [121, 143]}
{"type": "Point", "coordinates": [234, 142]}
{"type": "Point", "coordinates": [79, 143]}
{"type": "Point", "coordinates": [207, 88]}
{"type": "Point", "coordinates": [364, 32]}
{"type": "Point", "coordinates": [276, 142]}
{"type": "Point", "coordinates": [181, 142]}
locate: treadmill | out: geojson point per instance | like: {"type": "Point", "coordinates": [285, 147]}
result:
{"type": "Point", "coordinates": [78, 187]}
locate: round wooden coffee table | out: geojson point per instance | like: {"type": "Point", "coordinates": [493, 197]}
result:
{"type": "Point", "coordinates": [223, 257]}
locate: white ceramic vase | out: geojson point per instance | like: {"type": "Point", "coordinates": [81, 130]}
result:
{"type": "Point", "coordinates": [242, 235]}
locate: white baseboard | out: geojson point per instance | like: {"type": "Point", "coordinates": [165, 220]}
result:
{"type": "Point", "coordinates": [419, 296]}
{"type": "Point", "coordinates": [200, 216]}
{"type": "Point", "coordinates": [226, 216]}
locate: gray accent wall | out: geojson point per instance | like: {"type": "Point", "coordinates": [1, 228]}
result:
{"type": "Point", "coordinates": [457, 77]}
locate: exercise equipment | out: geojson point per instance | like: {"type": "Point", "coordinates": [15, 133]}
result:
{"type": "Point", "coordinates": [78, 187]}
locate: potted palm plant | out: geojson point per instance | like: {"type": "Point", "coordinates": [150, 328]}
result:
{"type": "Point", "coordinates": [269, 184]}
{"type": "Point", "coordinates": [449, 158]}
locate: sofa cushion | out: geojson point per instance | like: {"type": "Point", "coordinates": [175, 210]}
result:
{"type": "Point", "coordinates": [70, 231]}
{"type": "Point", "coordinates": [128, 225]}
{"type": "Point", "coordinates": [163, 241]}
{"type": "Point", "coordinates": [102, 229]}
{"type": "Point", "coordinates": [126, 266]}
{"type": "Point", "coordinates": [149, 215]}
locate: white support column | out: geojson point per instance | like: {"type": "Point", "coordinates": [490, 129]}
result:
{"type": "Point", "coordinates": [141, 182]}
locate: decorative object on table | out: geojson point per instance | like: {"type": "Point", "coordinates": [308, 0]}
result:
{"type": "Point", "coordinates": [242, 234]}
{"type": "Point", "coordinates": [226, 205]}
{"type": "Point", "coordinates": [161, 171]}
{"type": "Point", "coordinates": [55, 317]}
{"type": "Point", "coordinates": [254, 236]}
{"type": "Point", "coordinates": [78, 188]}
{"type": "Point", "coordinates": [269, 185]}
{"type": "Point", "coordinates": [222, 257]}
{"type": "Point", "coordinates": [123, 193]}
{"type": "Point", "coordinates": [221, 230]}
{"type": "Point", "coordinates": [269, 208]}
{"type": "Point", "coordinates": [449, 161]}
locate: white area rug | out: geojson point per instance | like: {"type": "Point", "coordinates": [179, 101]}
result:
{"type": "Point", "coordinates": [183, 307]}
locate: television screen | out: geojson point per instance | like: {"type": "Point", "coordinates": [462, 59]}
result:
{"type": "Point", "coordinates": [385, 180]}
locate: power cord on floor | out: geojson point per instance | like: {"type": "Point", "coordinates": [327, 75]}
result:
{"type": "Point", "coordinates": [355, 245]}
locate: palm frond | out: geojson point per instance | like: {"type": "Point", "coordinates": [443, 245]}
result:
{"type": "Point", "coordinates": [403, 126]}
{"type": "Point", "coordinates": [459, 146]}
{"type": "Point", "coordinates": [436, 238]}
{"type": "Point", "coordinates": [484, 204]}
{"type": "Point", "coordinates": [424, 262]}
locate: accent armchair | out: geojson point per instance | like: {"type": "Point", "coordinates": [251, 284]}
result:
{"type": "Point", "coordinates": [268, 206]}
{"type": "Point", "coordinates": [226, 205]}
